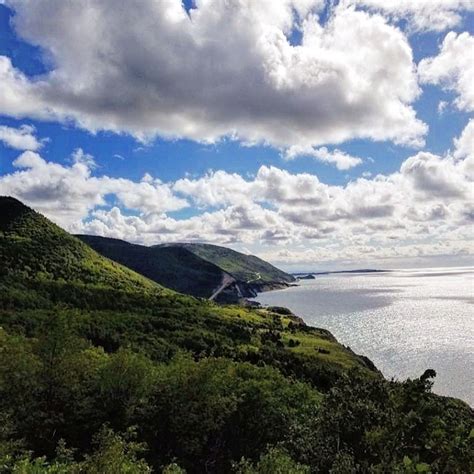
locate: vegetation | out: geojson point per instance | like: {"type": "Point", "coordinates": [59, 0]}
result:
{"type": "Point", "coordinates": [104, 371]}
{"type": "Point", "coordinates": [173, 267]}
{"type": "Point", "coordinates": [245, 268]}
{"type": "Point", "coordinates": [195, 269]}
{"type": "Point", "coordinates": [33, 248]}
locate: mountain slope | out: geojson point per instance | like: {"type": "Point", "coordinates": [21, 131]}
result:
{"type": "Point", "coordinates": [173, 267]}
{"type": "Point", "coordinates": [245, 268]}
{"type": "Point", "coordinates": [249, 275]}
{"type": "Point", "coordinates": [42, 262]}
{"type": "Point", "coordinates": [207, 271]}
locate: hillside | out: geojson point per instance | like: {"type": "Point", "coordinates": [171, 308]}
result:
{"type": "Point", "coordinates": [246, 268]}
{"type": "Point", "coordinates": [31, 246]}
{"type": "Point", "coordinates": [173, 267]}
{"type": "Point", "coordinates": [104, 370]}
{"type": "Point", "coordinates": [44, 267]}
{"type": "Point", "coordinates": [252, 275]}
{"type": "Point", "coordinates": [202, 270]}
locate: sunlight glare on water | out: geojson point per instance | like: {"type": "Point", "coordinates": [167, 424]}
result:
{"type": "Point", "coordinates": [404, 321]}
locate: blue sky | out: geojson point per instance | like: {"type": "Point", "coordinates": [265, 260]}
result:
{"type": "Point", "coordinates": [238, 140]}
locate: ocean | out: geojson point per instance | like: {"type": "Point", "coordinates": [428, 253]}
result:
{"type": "Point", "coordinates": [405, 321]}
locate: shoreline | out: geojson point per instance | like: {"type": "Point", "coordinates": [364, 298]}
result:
{"type": "Point", "coordinates": [359, 326]}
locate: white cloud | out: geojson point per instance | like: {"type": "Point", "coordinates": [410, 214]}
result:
{"type": "Point", "coordinates": [68, 193]}
{"type": "Point", "coordinates": [227, 69]}
{"type": "Point", "coordinates": [18, 97]}
{"type": "Point", "coordinates": [78, 156]}
{"type": "Point", "coordinates": [453, 68]}
{"type": "Point", "coordinates": [442, 106]}
{"type": "Point", "coordinates": [434, 176]}
{"type": "Point", "coordinates": [464, 145]}
{"type": "Point", "coordinates": [22, 138]}
{"type": "Point", "coordinates": [234, 224]}
{"type": "Point", "coordinates": [215, 189]}
{"type": "Point", "coordinates": [401, 256]}
{"type": "Point", "coordinates": [464, 151]}
{"type": "Point", "coordinates": [340, 159]}
{"type": "Point", "coordinates": [423, 209]}
{"type": "Point", "coordinates": [422, 15]}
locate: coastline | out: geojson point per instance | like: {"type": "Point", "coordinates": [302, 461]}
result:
{"type": "Point", "coordinates": [236, 292]}
{"type": "Point", "coordinates": [397, 308]}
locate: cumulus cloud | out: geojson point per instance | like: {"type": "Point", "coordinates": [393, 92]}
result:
{"type": "Point", "coordinates": [18, 97]}
{"type": "Point", "coordinates": [453, 68]}
{"type": "Point", "coordinates": [464, 150]}
{"type": "Point", "coordinates": [432, 175]}
{"type": "Point", "coordinates": [423, 209]}
{"type": "Point", "coordinates": [422, 15]}
{"type": "Point", "coordinates": [225, 68]}
{"type": "Point", "coordinates": [234, 224]}
{"type": "Point", "coordinates": [78, 156]}
{"type": "Point", "coordinates": [340, 159]}
{"type": "Point", "coordinates": [442, 106]}
{"type": "Point", "coordinates": [351, 256]}
{"type": "Point", "coordinates": [22, 138]}
{"type": "Point", "coordinates": [68, 193]}
{"type": "Point", "coordinates": [215, 189]}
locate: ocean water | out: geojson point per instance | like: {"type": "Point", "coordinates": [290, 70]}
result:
{"type": "Point", "coordinates": [404, 321]}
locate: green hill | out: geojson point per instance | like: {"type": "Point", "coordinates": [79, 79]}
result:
{"type": "Point", "coordinates": [245, 268]}
{"type": "Point", "coordinates": [43, 265]}
{"type": "Point", "coordinates": [103, 370]}
{"type": "Point", "coordinates": [32, 247]}
{"type": "Point", "coordinates": [202, 270]}
{"type": "Point", "coordinates": [173, 267]}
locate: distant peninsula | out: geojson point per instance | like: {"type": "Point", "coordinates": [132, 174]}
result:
{"type": "Point", "coordinates": [311, 275]}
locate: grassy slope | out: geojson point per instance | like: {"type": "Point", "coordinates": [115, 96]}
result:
{"type": "Point", "coordinates": [173, 267]}
{"type": "Point", "coordinates": [44, 268]}
{"type": "Point", "coordinates": [33, 248]}
{"type": "Point", "coordinates": [246, 268]}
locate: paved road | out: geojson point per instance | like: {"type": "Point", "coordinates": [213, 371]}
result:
{"type": "Point", "coordinates": [226, 281]}
{"type": "Point", "coordinates": [259, 277]}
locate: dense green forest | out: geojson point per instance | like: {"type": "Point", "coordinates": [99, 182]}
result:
{"type": "Point", "coordinates": [105, 371]}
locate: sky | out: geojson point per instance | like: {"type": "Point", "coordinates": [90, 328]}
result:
{"type": "Point", "coordinates": [315, 134]}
